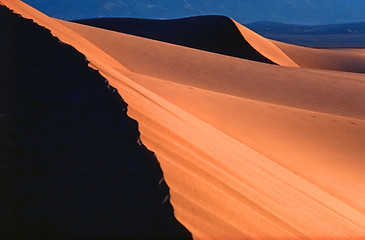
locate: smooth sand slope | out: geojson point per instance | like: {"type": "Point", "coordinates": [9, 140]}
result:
{"type": "Point", "coordinates": [204, 113]}
{"type": "Point", "coordinates": [349, 60]}
{"type": "Point", "coordinates": [265, 47]}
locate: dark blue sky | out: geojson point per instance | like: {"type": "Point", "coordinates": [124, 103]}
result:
{"type": "Point", "coordinates": [244, 11]}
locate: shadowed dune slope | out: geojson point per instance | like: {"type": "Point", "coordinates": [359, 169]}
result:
{"type": "Point", "coordinates": [349, 60]}
{"type": "Point", "coordinates": [218, 34]}
{"type": "Point", "coordinates": [71, 165]}
{"type": "Point", "coordinates": [230, 134]}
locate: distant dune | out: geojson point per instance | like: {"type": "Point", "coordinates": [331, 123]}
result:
{"type": "Point", "coordinates": [249, 149]}
{"type": "Point", "coordinates": [216, 34]}
{"type": "Point", "coordinates": [204, 33]}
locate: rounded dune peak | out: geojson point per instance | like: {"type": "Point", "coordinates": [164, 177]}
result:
{"type": "Point", "coordinates": [213, 33]}
{"type": "Point", "coordinates": [265, 47]}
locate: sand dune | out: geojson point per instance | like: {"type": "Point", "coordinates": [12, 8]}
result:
{"type": "Point", "coordinates": [349, 60]}
{"type": "Point", "coordinates": [218, 34]}
{"type": "Point", "coordinates": [70, 160]}
{"type": "Point", "coordinates": [205, 33]}
{"type": "Point", "coordinates": [281, 85]}
{"type": "Point", "coordinates": [265, 47]}
{"type": "Point", "coordinates": [249, 150]}
{"type": "Point", "coordinates": [282, 134]}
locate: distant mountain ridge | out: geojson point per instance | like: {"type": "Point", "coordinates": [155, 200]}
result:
{"type": "Point", "coordinates": [267, 27]}
{"type": "Point", "coordinates": [243, 11]}
{"type": "Point", "coordinates": [321, 36]}
{"type": "Point", "coordinates": [199, 32]}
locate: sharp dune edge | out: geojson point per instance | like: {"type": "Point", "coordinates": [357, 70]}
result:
{"type": "Point", "coordinates": [249, 150]}
{"type": "Point", "coordinates": [72, 165]}
{"type": "Point", "coordinates": [212, 33]}
{"type": "Point", "coordinates": [265, 47]}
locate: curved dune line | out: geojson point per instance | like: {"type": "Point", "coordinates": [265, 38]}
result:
{"type": "Point", "coordinates": [265, 47]}
{"type": "Point", "coordinates": [234, 190]}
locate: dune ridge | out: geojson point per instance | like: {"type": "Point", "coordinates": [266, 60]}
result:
{"type": "Point", "coordinates": [220, 187]}
{"type": "Point", "coordinates": [205, 33]}
{"type": "Point", "coordinates": [265, 47]}
{"type": "Point", "coordinates": [71, 162]}
{"type": "Point", "coordinates": [218, 34]}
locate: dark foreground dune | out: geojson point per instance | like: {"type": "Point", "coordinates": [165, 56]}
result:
{"type": "Point", "coordinates": [216, 34]}
{"type": "Point", "coordinates": [72, 165]}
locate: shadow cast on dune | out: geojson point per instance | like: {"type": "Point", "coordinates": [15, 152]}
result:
{"type": "Point", "coordinates": [71, 162]}
{"type": "Point", "coordinates": [216, 34]}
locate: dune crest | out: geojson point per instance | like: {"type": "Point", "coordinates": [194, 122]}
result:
{"type": "Point", "coordinates": [265, 47]}
{"type": "Point", "coordinates": [65, 34]}
{"type": "Point", "coordinates": [220, 34]}
{"type": "Point", "coordinates": [220, 187]}
{"type": "Point", "coordinates": [213, 33]}
{"type": "Point", "coordinates": [71, 162]}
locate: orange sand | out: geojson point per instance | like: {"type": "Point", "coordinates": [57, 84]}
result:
{"type": "Point", "coordinates": [265, 47]}
{"type": "Point", "coordinates": [349, 60]}
{"type": "Point", "coordinates": [248, 149]}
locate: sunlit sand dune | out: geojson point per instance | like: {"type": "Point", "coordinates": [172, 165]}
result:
{"type": "Point", "coordinates": [265, 47]}
{"type": "Point", "coordinates": [349, 60]}
{"type": "Point", "coordinates": [223, 35]}
{"type": "Point", "coordinates": [218, 34]}
{"type": "Point", "coordinates": [324, 146]}
{"type": "Point", "coordinates": [211, 33]}
{"type": "Point", "coordinates": [265, 82]}
{"type": "Point", "coordinates": [249, 150]}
